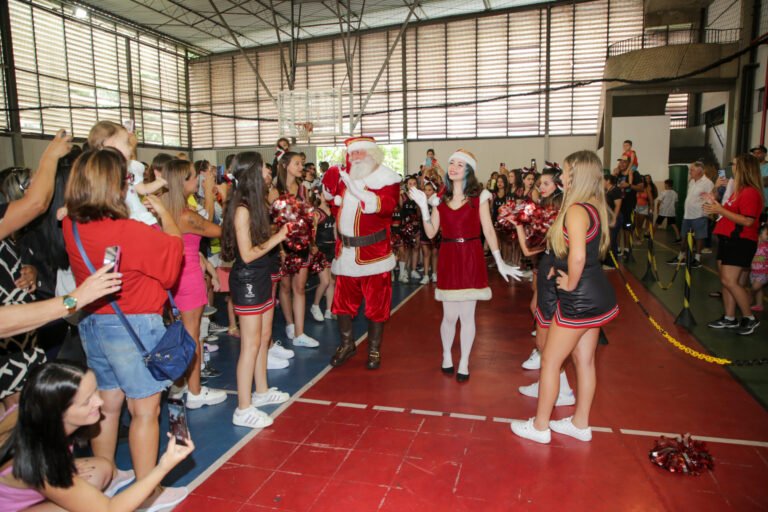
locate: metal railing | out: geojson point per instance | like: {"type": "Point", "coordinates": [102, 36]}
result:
{"type": "Point", "coordinates": [657, 38]}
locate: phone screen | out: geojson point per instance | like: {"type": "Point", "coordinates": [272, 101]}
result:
{"type": "Point", "coordinates": [220, 174]}
{"type": "Point", "coordinates": [533, 163]}
{"type": "Point", "coordinates": [112, 255]}
{"type": "Point", "coordinates": [129, 125]}
{"type": "Point", "coordinates": [721, 173]}
{"type": "Point", "coordinates": [177, 418]}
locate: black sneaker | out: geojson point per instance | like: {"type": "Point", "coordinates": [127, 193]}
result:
{"type": "Point", "coordinates": [695, 263]}
{"type": "Point", "coordinates": [723, 323]}
{"type": "Point", "coordinates": [674, 261]}
{"type": "Point", "coordinates": [747, 326]}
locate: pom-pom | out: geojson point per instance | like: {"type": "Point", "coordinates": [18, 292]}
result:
{"type": "Point", "coordinates": [318, 263]}
{"type": "Point", "coordinates": [291, 264]}
{"type": "Point", "coordinates": [681, 455]}
{"type": "Point", "coordinates": [298, 216]}
{"type": "Point", "coordinates": [409, 231]}
{"type": "Point", "coordinates": [535, 220]}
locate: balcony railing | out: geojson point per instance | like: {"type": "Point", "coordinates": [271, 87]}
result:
{"type": "Point", "coordinates": [657, 38]}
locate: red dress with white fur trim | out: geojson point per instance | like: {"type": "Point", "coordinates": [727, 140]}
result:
{"type": "Point", "coordinates": [461, 269]}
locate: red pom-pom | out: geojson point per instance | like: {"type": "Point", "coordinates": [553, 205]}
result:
{"type": "Point", "coordinates": [297, 214]}
{"type": "Point", "coordinates": [681, 455]}
{"type": "Point", "coordinates": [409, 230]}
{"type": "Point", "coordinates": [534, 219]}
{"type": "Point", "coordinates": [291, 264]}
{"type": "Point", "coordinates": [318, 263]}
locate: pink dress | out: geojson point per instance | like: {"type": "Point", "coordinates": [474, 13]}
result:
{"type": "Point", "coordinates": [190, 292]}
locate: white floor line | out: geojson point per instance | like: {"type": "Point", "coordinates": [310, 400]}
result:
{"type": "Point", "coordinates": [503, 420]}
{"type": "Point", "coordinates": [390, 409]}
{"type": "Point", "coordinates": [602, 429]}
{"type": "Point", "coordinates": [467, 416]}
{"type": "Point", "coordinates": [351, 405]}
{"type": "Point", "coordinates": [426, 413]}
{"type": "Point", "coordinates": [313, 401]}
{"type": "Point", "coordinates": [242, 442]}
{"type": "Point", "coordinates": [724, 440]}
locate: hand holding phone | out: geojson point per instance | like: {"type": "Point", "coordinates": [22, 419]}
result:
{"type": "Point", "coordinates": [177, 419]}
{"type": "Point", "coordinates": [721, 173]}
{"type": "Point", "coordinates": [112, 255]}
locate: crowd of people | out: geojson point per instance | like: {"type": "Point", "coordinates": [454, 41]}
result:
{"type": "Point", "coordinates": [177, 232]}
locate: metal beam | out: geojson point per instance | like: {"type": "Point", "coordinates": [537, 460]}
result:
{"type": "Point", "coordinates": [211, 19]}
{"type": "Point", "coordinates": [384, 65]}
{"type": "Point", "coordinates": [243, 52]}
{"type": "Point", "coordinates": [9, 73]}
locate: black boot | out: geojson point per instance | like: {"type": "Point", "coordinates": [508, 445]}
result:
{"type": "Point", "coordinates": [375, 332]}
{"type": "Point", "coordinates": [346, 348]}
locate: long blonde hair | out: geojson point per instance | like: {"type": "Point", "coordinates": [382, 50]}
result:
{"type": "Point", "coordinates": [175, 173]}
{"type": "Point", "coordinates": [585, 183]}
{"type": "Point", "coordinates": [746, 172]}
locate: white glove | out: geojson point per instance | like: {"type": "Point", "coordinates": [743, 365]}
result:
{"type": "Point", "coordinates": [434, 201]}
{"type": "Point", "coordinates": [364, 196]}
{"type": "Point", "coordinates": [337, 200]}
{"type": "Point", "coordinates": [420, 198]}
{"type": "Point", "coordinates": [506, 270]}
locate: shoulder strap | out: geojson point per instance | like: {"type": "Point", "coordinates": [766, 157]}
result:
{"type": "Point", "coordinates": [115, 307]}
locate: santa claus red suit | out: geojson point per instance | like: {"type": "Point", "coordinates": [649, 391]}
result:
{"type": "Point", "coordinates": [366, 198]}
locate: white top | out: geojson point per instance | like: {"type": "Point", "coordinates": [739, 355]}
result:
{"type": "Point", "coordinates": [693, 199]}
{"type": "Point", "coordinates": [667, 200]}
{"type": "Point", "coordinates": [138, 211]}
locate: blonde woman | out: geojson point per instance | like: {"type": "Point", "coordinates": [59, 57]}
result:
{"type": "Point", "coordinates": [579, 239]}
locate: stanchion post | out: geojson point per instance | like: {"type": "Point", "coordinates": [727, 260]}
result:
{"type": "Point", "coordinates": [650, 276]}
{"type": "Point", "coordinates": [685, 318]}
{"type": "Point", "coordinates": [630, 256]}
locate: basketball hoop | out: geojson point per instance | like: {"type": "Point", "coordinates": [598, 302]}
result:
{"type": "Point", "coordinates": [304, 130]}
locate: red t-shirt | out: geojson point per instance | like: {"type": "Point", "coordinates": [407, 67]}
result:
{"type": "Point", "coordinates": [150, 262]}
{"type": "Point", "coordinates": [747, 202]}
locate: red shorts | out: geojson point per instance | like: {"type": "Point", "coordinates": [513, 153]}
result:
{"type": "Point", "coordinates": [375, 289]}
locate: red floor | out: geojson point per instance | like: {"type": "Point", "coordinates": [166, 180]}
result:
{"type": "Point", "coordinates": [330, 457]}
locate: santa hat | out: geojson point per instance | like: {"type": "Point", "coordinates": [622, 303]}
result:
{"type": "Point", "coordinates": [463, 154]}
{"type": "Point", "coordinates": [358, 143]}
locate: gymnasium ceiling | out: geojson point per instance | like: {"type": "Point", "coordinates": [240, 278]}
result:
{"type": "Point", "coordinates": [209, 25]}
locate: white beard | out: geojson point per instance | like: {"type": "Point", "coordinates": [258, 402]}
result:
{"type": "Point", "coordinates": [362, 168]}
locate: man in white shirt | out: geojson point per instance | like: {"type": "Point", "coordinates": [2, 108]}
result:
{"type": "Point", "coordinates": [694, 218]}
{"type": "Point", "coordinates": [666, 203]}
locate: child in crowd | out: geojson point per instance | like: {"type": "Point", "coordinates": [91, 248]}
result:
{"type": "Point", "coordinates": [410, 221]}
{"type": "Point", "coordinates": [666, 204]}
{"type": "Point", "coordinates": [429, 246]}
{"type": "Point", "coordinates": [325, 242]}
{"type": "Point", "coordinates": [759, 271]}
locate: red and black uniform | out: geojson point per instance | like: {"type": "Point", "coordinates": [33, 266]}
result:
{"type": "Point", "coordinates": [736, 244]}
{"type": "Point", "coordinates": [593, 302]}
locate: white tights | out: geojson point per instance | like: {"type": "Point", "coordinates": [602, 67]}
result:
{"type": "Point", "coordinates": [453, 311]}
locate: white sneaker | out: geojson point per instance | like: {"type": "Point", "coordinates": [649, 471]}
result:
{"type": "Point", "coordinates": [290, 331]}
{"type": "Point", "coordinates": [272, 396]}
{"type": "Point", "coordinates": [526, 430]}
{"type": "Point", "coordinates": [176, 391]}
{"type": "Point", "coordinates": [414, 274]}
{"type": "Point", "coordinates": [207, 396]}
{"type": "Point", "coordinates": [316, 313]}
{"type": "Point", "coordinates": [209, 310]}
{"type": "Point", "coordinates": [251, 418]}
{"type": "Point", "coordinates": [566, 427]}
{"type": "Point", "coordinates": [424, 280]}
{"type": "Point", "coordinates": [563, 399]}
{"type": "Point", "coordinates": [328, 314]}
{"type": "Point", "coordinates": [278, 350]}
{"type": "Point", "coordinates": [404, 276]}
{"type": "Point", "coordinates": [167, 499]}
{"type": "Point", "coordinates": [216, 328]}
{"type": "Point", "coordinates": [304, 340]}
{"type": "Point", "coordinates": [276, 363]}
{"type": "Point", "coordinates": [211, 347]}
{"type": "Point", "coordinates": [434, 277]}
{"type": "Point", "coordinates": [534, 360]}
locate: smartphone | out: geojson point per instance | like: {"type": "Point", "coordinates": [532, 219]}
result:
{"type": "Point", "coordinates": [429, 162]}
{"type": "Point", "coordinates": [721, 173]}
{"type": "Point", "coordinates": [177, 419]}
{"type": "Point", "coordinates": [533, 163]}
{"type": "Point", "coordinates": [220, 174]}
{"type": "Point", "coordinates": [129, 124]}
{"type": "Point", "coordinates": [112, 255]}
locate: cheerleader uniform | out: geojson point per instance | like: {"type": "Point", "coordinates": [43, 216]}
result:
{"type": "Point", "coordinates": [304, 254]}
{"type": "Point", "coordinates": [397, 219]}
{"type": "Point", "coordinates": [411, 220]}
{"type": "Point", "coordinates": [461, 269]}
{"type": "Point", "coordinates": [251, 284]}
{"type": "Point", "coordinates": [424, 239]}
{"type": "Point", "coordinates": [324, 237]}
{"type": "Point", "coordinates": [546, 290]}
{"type": "Point", "coordinates": [593, 302]}
{"type": "Point", "coordinates": [497, 203]}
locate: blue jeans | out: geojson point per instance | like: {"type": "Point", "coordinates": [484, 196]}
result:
{"type": "Point", "coordinates": [114, 357]}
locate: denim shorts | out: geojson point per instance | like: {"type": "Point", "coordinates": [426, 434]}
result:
{"type": "Point", "coordinates": [700, 227]}
{"type": "Point", "coordinates": [114, 357]}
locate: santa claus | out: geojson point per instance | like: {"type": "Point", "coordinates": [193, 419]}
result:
{"type": "Point", "coordinates": [365, 196]}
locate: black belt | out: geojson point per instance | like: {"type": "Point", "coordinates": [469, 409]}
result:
{"type": "Point", "coordinates": [362, 241]}
{"type": "Point", "coordinates": [460, 240]}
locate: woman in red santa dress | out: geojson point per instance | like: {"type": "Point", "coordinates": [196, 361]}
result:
{"type": "Point", "coordinates": [462, 277]}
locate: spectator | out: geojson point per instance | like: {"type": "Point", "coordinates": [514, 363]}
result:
{"type": "Point", "coordinates": [39, 471]}
{"type": "Point", "coordinates": [644, 209]}
{"type": "Point", "coordinates": [666, 205]}
{"type": "Point", "coordinates": [282, 146]}
{"type": "Point", "coordinates": [737, 235]}
{"type": "Point", "coordinates": [491, 185]}
{"type": "Point", "coordinates": [694, 218]}
{"type": "Point", "coordinates": [613, 199]}
{"type": "Point", "coordinates": [630, 183]}
{"type": "Point", "coordinates": [630, 155]}
{"type": "Point", "coordinates": [759, 152]}
{"type": "Point", "coordinates": [150, 262]}
{"type": "Point", "coordinates": [324, 166]}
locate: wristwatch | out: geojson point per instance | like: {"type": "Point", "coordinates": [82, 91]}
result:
{"type": "Point", "coordinates": [70, 303]}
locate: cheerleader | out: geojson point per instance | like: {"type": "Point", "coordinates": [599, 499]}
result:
{"type": "Point", "coordinates": [410, 232]}
{"type": "Point", "coordinates": [462, 277]}
{"type": "Point", "coordinates": [247, 239]}
{"type": "Point", "coordinates": [544, 300]}
{"type": "Point", "coordinates": [579, 238]}
{"type": "Point", "coordinates": [527, 189]}
{"type": "Point", "coordinates": [397, 242]}
{"type": "Point", "coordinates": [500, 198]}
{"type": "Point", "coordinates": [293, 286]}
{"type": "Point", "coordinates": [325, 242]}
{"type": "Point", "coordinates": [429, 246]}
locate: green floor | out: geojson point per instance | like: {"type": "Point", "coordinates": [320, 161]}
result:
{"type": "Point", "coordinates": [721, 343]}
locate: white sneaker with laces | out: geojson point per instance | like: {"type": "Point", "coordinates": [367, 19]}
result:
{"type": "Point", "coordinates": [424, 280]}
{"type": "Point", "coordinates": [316, 313]}
{"type": "Point", "coordinates": [563, 399]}
{"type": "Point", "coordinates": [328, 314]}
{"type": "Point", "coordinates": [534, 360]}
{"type": "Point", "coordinates": [434, 277]}
{"type": "Point", "coordinates": [566, 427]}
{"type": "Point", "coordinates": [276, 363]}
{"type": "Point", "coordinates": [414, 275]}
{"type": "Point", "coordinates": [303, 340]}
{"type": "Point", "coordinates": [251, 418]}
{"type": "Point", "coordinates": [167, 499]}
{"type": "Point", "coordinates": [207, 396]}
{"type": "Point", "coordinates": [271, 396]}
{"type": "Point", "coordinates": [525, 429]}
{"type": "Point", "coordinates": [290, 331]}
{"type": "Point", "coordinates": [404, 276]}
{"type": "Point", "coordinates": [278, 350]}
